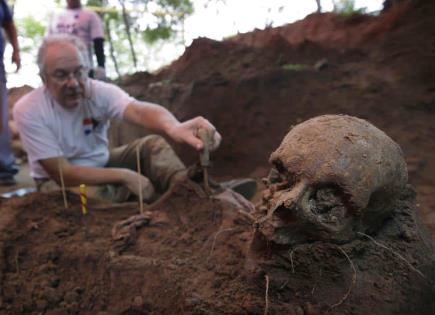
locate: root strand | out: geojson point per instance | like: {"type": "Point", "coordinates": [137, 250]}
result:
{"type": "Point", "coordinates": [352, 283]}
{"type": "Point", "coordinates": [291, 261]}
{"type": "Point", "coordinates": [393, 252]}
{"type": "Point", "coordinates": [214, 240]}
{"type": "Point", "coordinates": [266, 296]}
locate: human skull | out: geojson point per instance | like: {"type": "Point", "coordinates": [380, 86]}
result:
{"type": "Point", "coordinates": [333, 176]}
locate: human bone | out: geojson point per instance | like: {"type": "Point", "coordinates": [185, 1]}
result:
{"type": "Point", "coordinates": [332, 176]}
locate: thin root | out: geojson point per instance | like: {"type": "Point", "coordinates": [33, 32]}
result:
{"type": "Point", "coordinates": [214, 239]}
{"type": "Point", "coordinates": [291, 261]}
{"type": "Point", "coordinates": [392, 251]}
{"type": "Point", "coordinates": [153, 205]}
{"type": "Point", "coordinates": [167, 194]}
{"type": "Point", "coordinates": [266, 296]}
{"type": "Point", "coordinates": [352, 283]}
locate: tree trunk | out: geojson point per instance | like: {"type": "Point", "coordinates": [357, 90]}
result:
{"type": "Point", "coordinates": [127, 29]}
{"type": "Point", "coordinates": [112, 49]}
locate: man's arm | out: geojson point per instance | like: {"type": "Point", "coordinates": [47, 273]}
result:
{"type": "Point", "coordinates": [11, 33]}
{"type": "Point", "coordinates": [74, 175]}
{"type": "Point", "coordinates": [159, 119]}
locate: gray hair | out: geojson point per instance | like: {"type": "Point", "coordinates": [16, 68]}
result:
{"type": "Point", "coordinates": [57, 39]}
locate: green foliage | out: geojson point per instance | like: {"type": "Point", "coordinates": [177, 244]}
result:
{"type": "Point", "coordinates": [152, 35]}
{"type": "Point", "coordinates": [32, 32]}
{"type": "Point", "coordinates": [94, 3]}
{"type": "Point", "coordinates": [167, 18]}
{"type": "Point", "coordinates": [347, 8]}
{"type": "Point", "coordinates": [31, 27]}
{"type": "Point", "coordinates": [152, 20]}
{"type": "Point", "coordinates": [150, 24]}
{"type": "Point", "coordinates": [182, 6]}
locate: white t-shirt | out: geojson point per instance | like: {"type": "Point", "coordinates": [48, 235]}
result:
{"type": "Point", "coordinates": [83, 23]}
{"type": "Point", "coordinates": [48, 130]}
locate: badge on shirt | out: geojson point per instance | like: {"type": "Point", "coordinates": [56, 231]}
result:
{"type": "Point", "coordinates": [90, 124]}
{"type": "Point", "coordinates": [87, 126]}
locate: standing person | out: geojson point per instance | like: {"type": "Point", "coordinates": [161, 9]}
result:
{"type": "Point", "coordinates": [8, 167]}
{"type": "Point", "coordinates": [63, 126]}
{"type": "Point", "coordinates": [86, 25]}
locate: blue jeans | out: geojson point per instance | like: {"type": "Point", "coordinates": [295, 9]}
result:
{"type": "Point", "coordinates": [7, 158]}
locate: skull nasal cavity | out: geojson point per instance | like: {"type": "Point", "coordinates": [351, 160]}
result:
{"type": "Point", "coordinates": [284, 214]}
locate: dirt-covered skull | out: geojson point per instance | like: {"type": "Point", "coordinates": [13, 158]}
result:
{"type": "Point", "coordinates": [333, 176]}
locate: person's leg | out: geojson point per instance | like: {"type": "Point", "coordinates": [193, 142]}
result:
{"type": "Point", "coordinates": [159, 162]}
{"type": "Point", "coordinates": [162, 166]}
{"type": "Point", "coordinates": [105, 193]}
{"type": "Point", "coordinates": [7, 159]}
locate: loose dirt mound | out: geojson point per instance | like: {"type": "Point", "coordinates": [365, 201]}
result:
{"type": "Point", "coordinates": [330, 30]}
{"type": "Point", "coordinates": [190, 259]}
{"type": "Point", "coordinates": [255, 86]}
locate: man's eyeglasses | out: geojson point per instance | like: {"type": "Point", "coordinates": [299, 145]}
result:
{"type": "Point", "coordinates": [62, 76]}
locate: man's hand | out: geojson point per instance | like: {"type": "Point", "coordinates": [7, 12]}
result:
{"type": "Point", "coordinates": [133, 181]}
{"type": "Point", "coordinates": [11, 33]}
{"type": "Point", "coordinates": [158, 118]}
{"type": "Point", "coordinates": [187, 132]}
{"type": "Point", "coordinates": [16, 59]}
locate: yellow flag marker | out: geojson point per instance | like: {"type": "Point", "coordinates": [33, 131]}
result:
{"type": "Point", "coordinates": [83, 199]}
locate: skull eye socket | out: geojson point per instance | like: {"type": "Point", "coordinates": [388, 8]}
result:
{"type": "Point", "coordinates": [281, 178]}
{"type": "Point", "coordinates": [329, 203]}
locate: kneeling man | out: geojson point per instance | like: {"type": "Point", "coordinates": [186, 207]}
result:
{"type": "Point", "coordinates": [63, 126]}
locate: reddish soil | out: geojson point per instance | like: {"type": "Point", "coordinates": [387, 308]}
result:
{"type": "Point", "coordinates": [190, 259]}
{"type": "Point", "coordinates": [253, 87]}
{"type": "Point", "coordinates": [177, 264]}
